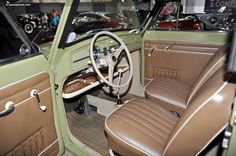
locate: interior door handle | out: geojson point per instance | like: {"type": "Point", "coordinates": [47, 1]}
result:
{"type": "Point", "coordinates": [169, 47]}
{"type": "Point", "coordinates": [9, 107]}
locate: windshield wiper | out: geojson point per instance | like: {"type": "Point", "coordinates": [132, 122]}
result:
{"type": "Point", "coordinates": [136, 31]}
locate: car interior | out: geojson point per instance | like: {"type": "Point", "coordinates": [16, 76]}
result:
{"type": "Point", "coordinates": [117, 91]}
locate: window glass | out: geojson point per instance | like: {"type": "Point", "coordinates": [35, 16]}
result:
{"type": "Point", "coordinates": [10, 42]}
{"type": "Point", "coordinates": [110, 15]}
{"type": "Point", "coordinates": [208, 15]}
{"type": "Point", "coordinates": [143, 7]}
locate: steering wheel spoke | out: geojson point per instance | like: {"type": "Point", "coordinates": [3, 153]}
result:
{"type": "Point", "coordinates": [110, 73]}
{"type": "Point", "coordinates": [118, 51]}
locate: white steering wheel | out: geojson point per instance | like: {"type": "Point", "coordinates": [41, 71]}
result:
{"type": "Point", "coordinates": [111, 59]}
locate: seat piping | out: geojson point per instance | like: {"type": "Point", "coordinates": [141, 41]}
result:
{"type": "Point", "coordinates": [212, 139]}
{"type": "Point", "coordinates": [195, 89]}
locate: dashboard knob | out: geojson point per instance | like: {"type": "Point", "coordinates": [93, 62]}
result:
{"type": "Point", "coordinates": [89, 62]}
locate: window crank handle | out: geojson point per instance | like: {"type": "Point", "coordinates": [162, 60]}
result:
{"type": "Point", "coordinates": [34, 93]}
{"type": "Point", "coordinates": [152, 50]}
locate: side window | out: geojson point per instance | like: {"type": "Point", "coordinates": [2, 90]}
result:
{"type": "Point", "coordinates": [191, 16]}
{"type": "Point", "coordinates": [11, 44]}
{"type": "Point", "coordinates": [143, 8]}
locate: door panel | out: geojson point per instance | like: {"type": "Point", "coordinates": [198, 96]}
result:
{"type": "Point", "coordinates": [27, 130]}
{"type": "Point", "coordinates": [181, 59]}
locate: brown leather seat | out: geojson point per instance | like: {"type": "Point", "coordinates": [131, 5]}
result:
{"type": "Point", "coordinates": [142, 127]}
{"type": "Point", "coordinates": [169, 92]}
{"type": "Point", "coordinates": [174, 94]}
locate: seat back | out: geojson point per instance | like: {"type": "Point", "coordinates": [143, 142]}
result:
{"type": "Point", "coordinates": [211, 67]}
{"type": "Point", "coordinates": [206, 116]}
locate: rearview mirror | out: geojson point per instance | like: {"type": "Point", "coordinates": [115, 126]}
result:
{"type": "Point", "coordinates": [71, 37]}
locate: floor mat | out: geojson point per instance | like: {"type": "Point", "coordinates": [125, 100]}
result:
{"type": "Point", "coordinates": [89, 130]}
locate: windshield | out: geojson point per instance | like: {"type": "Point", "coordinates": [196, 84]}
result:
{"type": "Point", "coordinates": [110, 15]}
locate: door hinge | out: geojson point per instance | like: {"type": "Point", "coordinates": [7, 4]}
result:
{"type": "Point", "coordinates": [56, 86]}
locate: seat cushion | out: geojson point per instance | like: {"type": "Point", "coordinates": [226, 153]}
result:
{"type": "Point", "coordinates": [139, 127]}
{"type": "Point", "coordinates": [168, 90]}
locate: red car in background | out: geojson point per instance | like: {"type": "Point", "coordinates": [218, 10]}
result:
{"type": "Point", "coordinates": [95, 25]}
{"type": "Point", "coordinates": [171, 17]}
{"type": "Point", "coordinates": [184, 22]}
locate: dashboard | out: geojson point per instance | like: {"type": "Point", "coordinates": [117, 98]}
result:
{"type": "Point", "coordinates": [101, 52]}
{"type": "Point", "coordinates": [78, 76]}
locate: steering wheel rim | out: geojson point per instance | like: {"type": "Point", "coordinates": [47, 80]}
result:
{"type": "Point", "coordinates": [109, 59]}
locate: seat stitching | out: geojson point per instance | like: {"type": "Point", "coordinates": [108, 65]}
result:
{"type": "Point", "coordinates": [172, 119]}
{"type": "Point", "coordinates": [119, 138]}
{"type": "Point", "coordinates": [160, 114]}
{"type": "Point", "coordinates": [169, 87]}
{"type": "Point", "coordinates": [176, 84]}
{"type": "Point", "coordinates": [172, 85]}
{"type": "Point", "coordinates": [177, 93]}
{"type": "Point", "coordinates": [145, 126]}
{"type": "Point", "coordinates": [138, 128]}
{"type": "Point", "coordinates": [155, 118]}
{"type": "Point", "coordinates": [165, 131]}
{"type": "Point", "coordinates": [161, 111]}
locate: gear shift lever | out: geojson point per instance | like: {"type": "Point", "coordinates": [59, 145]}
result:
{"type": "Point", "coordinates": [119, 101]}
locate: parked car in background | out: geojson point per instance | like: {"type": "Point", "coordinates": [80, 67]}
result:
{"type": "Point", "coordinates": [171, 17]}
{"type": "Point", "coordinates": [35, 29]}
{"type": "Point", "coordinates": [29, 22]}
{"type": "Point", "coordinates": [87, 16]}
{"type": "Point", "coordinates": [82, 27]}
{"type": "Point", "coordinates": [218, 21]}
{"type": "Point", "coordinates": [87, 21]}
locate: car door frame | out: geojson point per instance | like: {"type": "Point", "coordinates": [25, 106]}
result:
{"type": "Point", "coordinates": [13, 75]}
